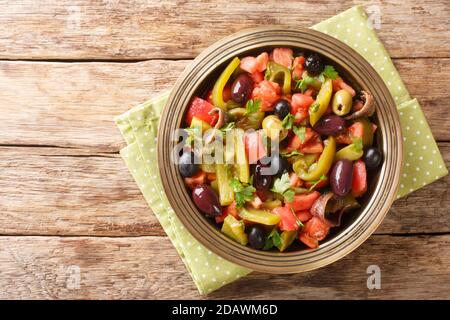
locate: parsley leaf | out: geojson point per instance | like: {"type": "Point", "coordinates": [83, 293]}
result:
{"type": "Point", "coordinates": [329, 72]}
{"type": "Point", "coordinates": [288, 121]}
{"type": "Point", "coordinates": [291, 154]}
{"type": "Point", "coordinates": [314, 107]}
{"type": "Point", "coordinates": [304, 83]}
{"type": "Point", "coordinates": [322, 178]}
{"type": "Point", "coordinates": [252, 106]}
{"type": "Point", "coordinates": [241, 193]}
{"type": "Point", "coordinates": [273, 239]}
{"type": "Point", "coordinates": [357, 144]}
{"type": "Point", "coordinates": [289, 195]}
{"type": "Point", "coordinates": [282, 186]}
{"type": "Point", "coordinates": [300, 132]}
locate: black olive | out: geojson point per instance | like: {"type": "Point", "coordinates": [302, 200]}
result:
{"type": "Point", "coordinates": [281, 108]}
{"type": "Point", "coordinates": [314, 64]}
{"type": "Point", "coordinates": [187, 165]}
{"type": "Point", "coordinates": [372, 158]}
{"type": "Point", "coordinates": [256, 235]}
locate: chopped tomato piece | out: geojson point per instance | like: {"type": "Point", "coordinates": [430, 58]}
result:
{"type": "Point", "coordinates": [226, 94]}
{"type": "Point", "coordinates": [295, 180]}
{"type": "Point", "coordinates": [316, 228]}
{"type": "Point", "coordinates": [309, 92]}
{"type": "Point", "coordinates": [308, 240]}
{"type": "Point", "coordinates": [283, 56]}
{"type": "Point", "coordinates": [195, 180]}
{"type": "Point", "coordinates": [312, 146]}
{"type": "Point", "coordinates": [267, 92]}
{"type": "Point", "coordinates": [304, 215]}
{"type": "Point", "coordinates": [296, 143]}
{"type": "Point", "coordinates": [356, 130]}
{"type": "Point", "coordinates": [262, 61]}
{"type": "Point", "coordinates": [300, 101]}
{"type": "Point", "coordinates": [288, 218]}
{"type": "Point", "coordinates": [254, 146]}
{"type": "Point", "coordinates": [297, 67]}
{"type": "Point", "coordinates": [253, 65]}
{"type": "Point", "coordinates": [249, 64]}
{"type": "Point", "coordinates": [200, 109]}
{"type": "Point", "coordinates": [228, 210]}
{"type": "Point", "coordinates": [359, 182]}
{"type": "Point", "coordinates": [339, 84]}
{"type": "Point", "coordinates": [303, 201]}
{"type": "Point", "coordinates": [257, 77]}
{"type": "Point", "coordinates": [256, 202]}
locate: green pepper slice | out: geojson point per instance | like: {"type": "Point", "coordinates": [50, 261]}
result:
{"type": "Point", "coordinates": [226, 193]}
{"type": "Point", "coordinates": [287, 237]}
{"type": "Point", "coordinates": [235, 229]}
{"type": "Point", "coordinates": [277, 73]}
{"type": "Point", "coordinates": [323, 165]}
{"type": "Point", "coordinates": [319, 106]}
{"type": "Point", "coordinates": [217, 92]}
{"type": "Point", "coordinates": [350, 152]}
{"type": "Point", "coordinates": [260, 216]}
{"type": "Point", "coordinates": [367, 131]}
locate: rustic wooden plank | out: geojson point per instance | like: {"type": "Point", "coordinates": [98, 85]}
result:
{"type": "Point", "coordinates": [415, 267]}
{"type": "Point", "coordinates": [56, 191]}
{"type": "Point", "coordinates": [135, 29]}
{"type": "Point", "coordinates": [73, 104]}
{"type": "Point", "coordinates": [62, 192]}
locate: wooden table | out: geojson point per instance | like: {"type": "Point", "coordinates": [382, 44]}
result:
{"type": "Point", "coordinates": [68, 205]}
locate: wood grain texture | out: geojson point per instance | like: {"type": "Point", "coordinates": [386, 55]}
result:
{"type": "Point", "coordinates": [138, 29]}
{"type": "Point", "coordinates": [127, 268]}
{"type": "Point", "coordinates": [55, 191]}
{"type": "Point", "coordinates": [73, 104]}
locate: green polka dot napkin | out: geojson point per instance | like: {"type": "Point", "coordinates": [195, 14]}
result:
{"type": "Point", "coordinates": [423, 163]}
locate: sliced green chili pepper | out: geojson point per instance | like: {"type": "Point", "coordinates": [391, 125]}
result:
{"type": "Point", "coordinates": [217, 92]}
{"type": "Point", "coordinates": [242, 167]}
{"type": "Point", "coordinates": [303, 162]}
{"type": "Point", "coordinates": [235, 229]}
{"type": "Point", "coordinates": [351, 152]}
{"type": "Point", "coordinates": [259, 216]}
{"type": "Point", "coordinates": [319, 106]}
{"type": "Point", "coordinates": [287, 237]}
{"type": "Point", "coordinates": [278, 73]}
{"type": "Point", "coordinates": [323, 165]}
{"type": "Point", "coordinates": [226, 193]}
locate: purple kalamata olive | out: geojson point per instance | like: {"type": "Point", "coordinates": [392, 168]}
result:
{"type": "Point", "coordinates": [341, 177]}
{"type": "Point", "coordinates": [241, 88]}
{"type": "Point", "coordinates": [206, 200]}
{"type": "Point", "coordinates": [330, 125]}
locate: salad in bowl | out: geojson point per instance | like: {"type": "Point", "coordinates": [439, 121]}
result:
{"type": "Point", "coordinates": [278, 149]}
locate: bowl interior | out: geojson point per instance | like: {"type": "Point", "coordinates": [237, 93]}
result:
{"type": "Point", "coordinates": [356, 226]}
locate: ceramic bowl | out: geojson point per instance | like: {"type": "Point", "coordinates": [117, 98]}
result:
{"type": "Point", "coordinates": [357, 226]}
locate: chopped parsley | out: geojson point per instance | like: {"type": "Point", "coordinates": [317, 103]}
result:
{"type": "Point", "coordinates": [273, 239]}
{"type": "Point", "coordinates": [288, 121]}
{"type": "Point", "coordinates": [303, 83]}
{"type": "Point", "coordinates": [242, 193]}
{"type": "Point", "coordinates": [329, 72]}
{"type": "Point", "coordinates": [252, 106]}
{"type": "Point", "coordinates": [282, 186]}
{"type": "Point", "coordinates": [300, 132]}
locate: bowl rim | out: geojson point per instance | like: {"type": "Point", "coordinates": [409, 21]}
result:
{"type": "Point", "coordinates": [380, 201]}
